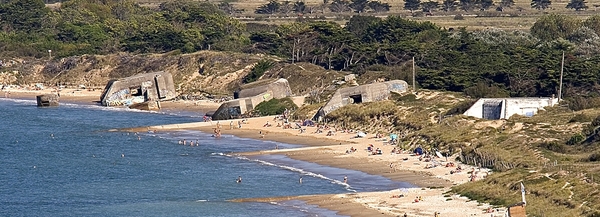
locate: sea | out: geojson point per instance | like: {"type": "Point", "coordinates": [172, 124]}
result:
{"type": "Point", "coordinates": [67, 161]}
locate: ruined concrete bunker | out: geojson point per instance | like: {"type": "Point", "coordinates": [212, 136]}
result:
{"type": "Point", "coordinates": [250, 95]}
{"type": "Point", "coordinates": [360, 94]}
{"type": "Point", "coordinates": [138, 89]}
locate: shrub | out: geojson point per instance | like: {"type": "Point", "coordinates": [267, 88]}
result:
{"type": "Point", "coordinates": [258, 70]}
{"type": "Point", "coordinates": [461, 107]}
{"type": "Point", "coordinates": [275, 106]}
{"type": "Point", "coordinates": [579, 118]}
{"type": "Point", "coordinates": [576, 139]}
{"type": "Point", "coordinates": [403, 98]}
{"type": "Point", "coordinates": [553, 146]}
{"type": "Point", "coordinates": [459, 17]}
{"type": "Point", "coordinates": [593, 157]}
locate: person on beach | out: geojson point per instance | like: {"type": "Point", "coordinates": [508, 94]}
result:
{"type": "Point", "coordinates": [231, 125]}
{"type": "Point", "coordinates": [345, 179]}
{"type": "Point", "coordinates": [239, 179]}
{"type": "Point", "coordinates": [239, 124]}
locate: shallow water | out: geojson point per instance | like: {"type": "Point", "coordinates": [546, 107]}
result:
{"type": "Point", "coordinates": [63, 161]}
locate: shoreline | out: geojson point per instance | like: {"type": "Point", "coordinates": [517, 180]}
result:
{"type": "Point", "coordinates": [330, 151]}
{"type": "Point", "coordinates": [433, 183]}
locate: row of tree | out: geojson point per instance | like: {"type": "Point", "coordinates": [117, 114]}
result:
{"type": "Point", "coordinates": [481, 63]}
{"type": "Point", "coordinates": [470, 5]}
{"type": "Point", "coordinates": [337, 6]}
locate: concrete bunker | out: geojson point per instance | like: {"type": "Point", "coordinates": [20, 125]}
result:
{"type": "Point", "coordinates": [504, 108]}
{"type": "Point", "coordinates": [250, 95]}
{"type": "Point", "coordinates": [47, 100]}
{"type": "Point", "coordinates": [361, 94]}
{"type": "Point", "coordinates": [143, 91]}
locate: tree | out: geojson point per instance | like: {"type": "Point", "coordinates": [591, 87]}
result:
{"type": "Point", "coordinates": [359, 6]}
{"type": "Point", "coordinates": [593, 23]}
{"type": "Point", "coordinates": [378, 7]}
{"type": "Point", "coordinates": [357, 25]}
{"type": "Point", "coordinates": [299, 7]}
{"type": "Point", "coordinates": [229, 9]}
{"type": "Point", "coordinates": [486, 4]}
{"type": "Point", "coordinates": [541, 4]}
{"type": "Point", "coordinates": [577, 5]}
{"type": "Point", "coordinates": [286, 8]}
{"type": "Point", "coordinates": [23, 15]}
{"type": "Point", "coordinates": [449, 5]}
{"type": "Point", "coordinates": [270, 8]}
{"type": "Point", "coordinates": [412, 5]}
{"type": "Point", "coordinates": [467, 5]}
{"type": "Point", "coordinates": [429, 6]}
{"type": "Point", "coordinates": [505, 4]}
{"type": "Point", "coordinates": [340, 6]}
{"type": "Point", "coordinates": [554, 26]}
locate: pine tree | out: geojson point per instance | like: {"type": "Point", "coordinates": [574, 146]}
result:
{"type": "Point", "coordinates": [577, 5]}
{"type": "Point", "coordinates": [541, 4]}
{"type": "Point", "coordinates": [412, 5]}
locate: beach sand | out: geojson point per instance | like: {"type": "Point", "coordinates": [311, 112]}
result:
{"type": "Point", "coordinates": [331, 151]}
{"type": "Point", "coordinates": [433, 183]}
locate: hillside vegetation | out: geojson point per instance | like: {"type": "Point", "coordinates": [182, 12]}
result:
{"type": "Point", "coordinates": [538, 151]}
{"type": "Point", "coordinates": [511, 63]}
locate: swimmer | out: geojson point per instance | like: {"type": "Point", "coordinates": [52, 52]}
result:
{"type": "Point", "coordinates": [122, 155]}
{"type": "Point", "coordinates": [184, 142]}
{"type": "Point", "coordinates": [345, 179]}
{"type": "Point", "coordinates": [239, 179]}
{"type": "Point", "coordinates": [197, 142]}
{"type": "Point", "coordinates": [192, 143]}
{"type": "Point", "coordinates": [300, 180]}
{"type": "Point", "coordinates": [139, 138]}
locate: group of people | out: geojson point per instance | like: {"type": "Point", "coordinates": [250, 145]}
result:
{"type": "Point", "coordinates": [191, 143]}
{"type": "Point", "coordinates": [373, 150]}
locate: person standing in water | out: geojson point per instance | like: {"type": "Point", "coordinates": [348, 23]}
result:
{"type": "Point", "coordinates": [300, 180]}
{"type": "Point", "coordinates": [345, 179]}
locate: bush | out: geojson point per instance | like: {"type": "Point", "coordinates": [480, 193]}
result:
{"type": "Point", "coordinates": [459, 17]}
{"type": "Point", "coordinates": [580, 103]}
{"type": "Point", "coordinates": [403, 98]}
{"type": "Point", "coordinates": [275, 106]}
{"type": "Point", "coordinates": [461, 108]}
{"type": "Point", "coordinates": [553, 146]}
{"type": "Point", "coordinates": [576, 139]}
{"type": "Point", "coordinates": [593, 157]}
{"type": "Point", "coordinates": [258, 70]}
{"type": "Point", "coordinates": [580, 118]}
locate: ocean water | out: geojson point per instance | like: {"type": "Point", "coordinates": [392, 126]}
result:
{"type": "Point", "coordinates": [64, 161]}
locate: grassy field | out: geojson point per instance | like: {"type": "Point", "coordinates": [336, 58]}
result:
{"type": "Point", "coordinates": [519, 17]}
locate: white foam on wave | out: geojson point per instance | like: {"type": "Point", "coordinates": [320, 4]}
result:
{"type": "Point", "coordinates": [220, 154]}
{"type": "Point", "coordinates": [303, 172]}
{"type": "Point", "coordinates": [201, 200]}
{"type": "Point", "coordinates": [20, 101]}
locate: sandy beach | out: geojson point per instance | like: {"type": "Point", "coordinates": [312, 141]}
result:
{"type": "Point", "coordinates": [433, 182]}
{"type": "Point", "coordinates": [334, 150]}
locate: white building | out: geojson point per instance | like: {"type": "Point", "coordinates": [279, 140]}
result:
{"type": "Point", "coordinates": [504, 108]}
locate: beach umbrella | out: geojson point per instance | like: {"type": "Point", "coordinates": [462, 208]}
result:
{"type": "Point", "coordinates": [393, 136]}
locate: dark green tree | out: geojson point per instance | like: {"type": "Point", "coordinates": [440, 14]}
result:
{"type": "Point", "coordinates": [593, 23]}
{"type": "Point", "coordinates": [270, 8]}
{"type": "Point", "coordinates": [467, 5]}
{"type": "Point", "coordinates": [541, 4]}
{"type": "Point", "coordinates": [449, 5]}
{"type": "Point", "coordinates": [378, 7]}
{"type": "Point", "coordinates": [229, 8]}
{"type": "Point", "coordinates": [340, 6]}
{"type": "Point", "coordinates": [578, 5]}
{"type": "Point", "coordinates": [486, 4]}
{"type": "Point", "coordinates": [554, 26]}
{"type": "Point", "coordinates": [358, 25]}
{"type": "Point", "coordinates": [430, 6]}
{"type": "Point", "coordinates": [505, 4]}
{"type": "Point", "coordinates": [23, 15]}
{"type": "Point", "coordinates": [286, 8]}
{"type": "Point", "coordinates": [412, 5]}
{"type": "Point", "coordinates": [299, 7]}
{"type": "Point", "coordinates": [359, 6]}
